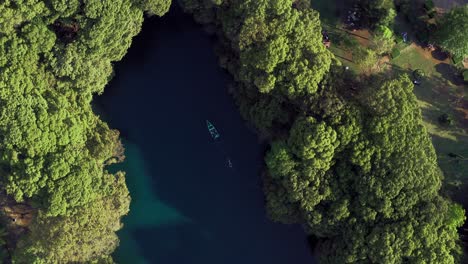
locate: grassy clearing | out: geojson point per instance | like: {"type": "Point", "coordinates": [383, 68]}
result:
{"type": "Point", "coordinates": [343, 42]}
{"type": "Point", "coordinates": [411, 59]}
{"type": "Point", "coordinates": [440, 92]}
{"type": "Point", "coordinates": [342, 46]}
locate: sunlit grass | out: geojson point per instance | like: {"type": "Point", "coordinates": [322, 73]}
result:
{"type": "Point", "coordinates": [435, 97]}
{"type": "Point", "coordinates": [435, 94]}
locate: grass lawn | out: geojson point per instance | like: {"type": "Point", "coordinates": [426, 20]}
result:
{"type": "Point", "coordinates": [343, 42]}
{"type": "Point", "coordinates": [441, 93]}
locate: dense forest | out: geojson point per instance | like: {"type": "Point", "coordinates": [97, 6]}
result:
{"type": "Point", "coordinates": [54, 55]}
{"type": "Point", "coordinates": [349, 157]}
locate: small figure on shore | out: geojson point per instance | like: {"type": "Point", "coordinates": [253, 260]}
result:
{"type": "Point", "coordinates": [431, 47]}
{"type": "Point", "coordinates": [405, 36]}
{"type": "Point", "coordinates": [325, 39]}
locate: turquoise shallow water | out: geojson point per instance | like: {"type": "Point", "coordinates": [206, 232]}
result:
{"type": "Point", "coordinates": [187, 205]}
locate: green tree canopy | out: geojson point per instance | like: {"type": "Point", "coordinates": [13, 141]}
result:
{"type": "Point", "coordinates": [54, 55]}
{"type": "Point", "coordinates": [350, 160]}
{"type": "Point", "coordinates": [452, 32]}
{"type": "Point", "coordinates": [367, 200]}
{"type": "Point", "coordinates": [377, 13]}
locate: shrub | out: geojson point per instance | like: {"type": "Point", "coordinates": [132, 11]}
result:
{"type": "Point", "coordinates": [418, 74]}
{"type": "Point", "coordinates": [429, 5]}
{"type": "Point", "coordinates": [366, 59]}
{"type": "Point", "coordinates": [384, 32]}
{"type": "Point", "coordinates": [383, 45]}
{"type": "Point", "coordinates": [457, 59]}
{"type": "Point", "coordinates": [445, 119]}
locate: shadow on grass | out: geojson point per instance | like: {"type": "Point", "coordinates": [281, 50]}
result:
{"type": "Point", "coordinates": [437, 96]}
{"type": "Point", "coordinates": [452, 159]}
{"type": "Point", "coordinates": [343, 58]}
{"type": "Point", "coordinates": [449, 72]}
{"type": "Point", "coordinates": [452, 156]}
{"type": "Point", "coordinates": [434, 90]}
{"type": "Point", "coordinates": [439, 55]}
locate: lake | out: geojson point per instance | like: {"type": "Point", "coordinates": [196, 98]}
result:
{"type": "Point", "coordinates": [188, 205]}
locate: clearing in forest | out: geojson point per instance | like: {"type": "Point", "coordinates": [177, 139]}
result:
{"type": "Point", "coordinates": [442, 94]}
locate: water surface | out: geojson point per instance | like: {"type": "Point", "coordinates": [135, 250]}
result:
{"type": "Point", "coordinates": [187, 205]}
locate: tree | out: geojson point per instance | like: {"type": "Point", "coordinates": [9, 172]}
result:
{"type": "Point", "coordinates": [87, 235]}
{"type": "Point", "coordinates": [425, 236]}
{"type": "Point", "coordinates": [54, 56]}
{"type": "Point", "coordinates": [350, 161]}
{"type": "Point", "coordinates": [383, 40]}
{"type": "Point", "coordinates": [155, 7]}
{"type": "Point", "coordinates": [452, 31]}
{"type": "Point", "coordinates": [375, 13]}
{"type": "Point", "coordinates": [313, 141]}
{"type": "Point", "coordinates": [366, 59]}
{"type": "Point", "coordinates": [374, 198]}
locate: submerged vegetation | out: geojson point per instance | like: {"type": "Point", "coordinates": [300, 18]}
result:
{"type": "Point", "coordinates": [54, 55]}
{"type": "Point", "coordinates": [350, 158]}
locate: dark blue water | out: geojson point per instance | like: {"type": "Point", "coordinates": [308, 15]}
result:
{"type": "Point", "coordinates": [187, 205]}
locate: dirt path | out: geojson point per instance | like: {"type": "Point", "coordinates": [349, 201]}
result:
{"type": "Point", "coordinates": [362, 36]}
{"type": "Point", "coordinates": [435, 57]}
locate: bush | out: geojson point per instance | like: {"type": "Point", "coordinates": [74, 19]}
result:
{"type": "Point", "coordinates": [457, 59]}
{"type": "Point", "coordinates": [383, 41]}
{"type": "Point", "coordinates": [377, 13]}
{"type": "Point", "coordinates": [418, 74]}
{"type": "Point", "coordinates": [398, 38]}
{"type": "Point", "coordinates": [388, 18]}
{"type": "Point", "coordinates": [384, 32]}
{"type": "Point", "coordinates": [429, 5]}
{"type": "Point", "coordinates": [445, 120]}
{"type": "Point", "coordinates": [465, 75]}
{"type": "Point", "coordinates": [366, 59]}
{"type": "Point", "coordinates": [431, 14]}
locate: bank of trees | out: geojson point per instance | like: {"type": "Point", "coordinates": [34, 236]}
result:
{"type": "Point", "coordinates": [54, 55]}
{"type": "Point", "coordinates": [349, 160]}
{"type": "Point", "coordinates": [377, 13]}
{"type": "Point", "coordinates": [452, 32]}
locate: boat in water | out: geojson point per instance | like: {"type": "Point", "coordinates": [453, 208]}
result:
{"type": "Point", "coordinates": [215, 135]}
{"type": "Point", "coordinates": [212, 129]}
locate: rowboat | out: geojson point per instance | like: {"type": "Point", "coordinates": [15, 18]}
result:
{"type": "Point", "coordinates": [212, 129]}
